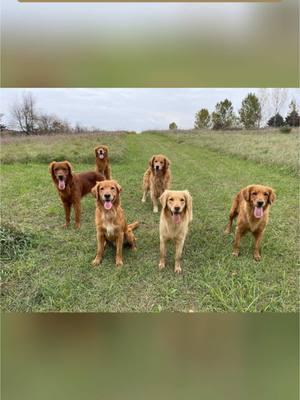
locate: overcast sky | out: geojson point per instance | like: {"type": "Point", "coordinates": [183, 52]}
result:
{"type": "Point", "coordinates": [128, 109]}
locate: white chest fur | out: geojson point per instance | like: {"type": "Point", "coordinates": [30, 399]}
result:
{"type": "Point", "coordinates": [110, 229]}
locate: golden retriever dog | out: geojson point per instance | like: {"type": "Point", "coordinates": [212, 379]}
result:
{"type": "Point", "coordinates": [110, 221]}
{"type": "Point", "coordinates": [176, 214]}
{"type": "Point", "coordinates": [157, 179]}
{"type": "Point", "coordinates": [72, 187]}
{"type": "Point", "coordinates": [102, 161]}
{"type": "Point", "coordinates": [251, 207]}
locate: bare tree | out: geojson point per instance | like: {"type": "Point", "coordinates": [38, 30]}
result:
{"type": "Point", "coordinates": [272, 102]}
{"type": "Point", "coordinates": [24, 114]}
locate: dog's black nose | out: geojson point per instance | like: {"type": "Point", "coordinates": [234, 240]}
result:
{"type": "Point", "coordinates": [176, 209]}
{"type": "Point", "coordinates": [157, 167]}
{"type": "Point", "coordinates": [60, 177]}
{"type": "Point", "coordinates": [260, 203]}
{"type": "Point", "coordinates": [107, 196]}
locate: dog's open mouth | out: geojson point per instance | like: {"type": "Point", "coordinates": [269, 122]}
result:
{"type": "Point", "coordinates": [108, 204]}
{"type": "Point", "coordinates": [61, 184]}
{"type": "Point", "coordinates": [176, 217]}
{"type": "Point", "coordinates": [101, 156]}
{"type": "Point", "coordinates": [258, 212]}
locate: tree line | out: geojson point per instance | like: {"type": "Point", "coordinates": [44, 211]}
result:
{"type": "Point", "coordinates": [249, 115]}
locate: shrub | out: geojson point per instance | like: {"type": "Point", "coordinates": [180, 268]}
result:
{"type": "Point", "coordinates": [276, 121]}
{"type": "Point", "coordinates": [285, 129]}
{"type": "Point", "coordinates": [173, 126]}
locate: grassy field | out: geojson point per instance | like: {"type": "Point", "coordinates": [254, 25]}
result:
{"type": "Point", "coordinates": [47, 268]}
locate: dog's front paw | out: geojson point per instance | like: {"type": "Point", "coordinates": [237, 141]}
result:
{"type": "Point", "coordinates": [77, 225]}
{"type": "Point", "coordinates": [96, 261]}
{"type": "Point", "coordinates": [161, 265]}
{"type": "Point", "coordinates": [155, 209]}
{"type": "Point", "coordinates": [227, 231]}
{"type": "Point", "coordinates": [235, 253]}
{"type": "Point", "coordinates": [143, 200]}
{"type": "Point", "coordinates": [257, 257]}
{"type": "Point", "coordinates": [177, 269]}
{"type": "Point", "coordinates": [119, 262]}
{"type": "Point", "coordinates": [66, 225]}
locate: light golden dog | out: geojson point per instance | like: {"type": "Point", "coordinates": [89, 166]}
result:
{"type": "Point", "coordinates": [110, 220]}
{"type": "Point", "coordinates": [251, 207]}
{"type": "Point", "coordinates": [102, 161]}
{"type": "Point", "coordinates": [157, 179]}
{"type": "Point", "coordinates": [176, 214]}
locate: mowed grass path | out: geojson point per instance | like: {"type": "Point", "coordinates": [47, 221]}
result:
{"type": "Point", "coordinates": [56, 274]}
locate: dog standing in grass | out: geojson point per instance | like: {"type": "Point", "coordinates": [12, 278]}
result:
{"type": "Point", "coordinates": [157, 179]}
{"type": "Point", "coordinates": [175, 217]}
{"type": "Point", "coordinates": [110, 221]}
{"type": "Point", "coordinates": [72, 187]}
{"type": "Point", "coordinates": [102, 161]}
{"type": "Point", "coordinates": [251, 207]}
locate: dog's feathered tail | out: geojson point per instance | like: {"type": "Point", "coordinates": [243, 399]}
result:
{"type": "Point", "coordinates": [133, 226]}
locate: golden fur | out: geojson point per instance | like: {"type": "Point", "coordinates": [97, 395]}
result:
{"type": "Point", "coordinates": [157, 179]}
{"type": "Point", "coordinates": [72, 187]}
{"type": "Point", "coordinates": [110, 220]}
{"type": "Point", "coordinates": [251, 207]}
{"type": "Point", "coordinates": [176, 214]}
{"type": "Point", "coordinates": [102, 161]}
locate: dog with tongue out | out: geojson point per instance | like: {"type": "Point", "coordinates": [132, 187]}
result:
{"type": "Point", "coordinates": [251, 207]}
{"type": "Point", "coordinates": [110, 221]}
{"type": "Point", "coordinates": [175, 217]}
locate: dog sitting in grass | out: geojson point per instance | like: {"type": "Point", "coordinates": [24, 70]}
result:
{"type": "Point", "coordinates": [110, 221]}
{"type": "Point", "coordinates": [102, 161]}
{"type": "Point", "coordinates": [251, 207]}
{"type": "Point", "coordinates": [175, 217]}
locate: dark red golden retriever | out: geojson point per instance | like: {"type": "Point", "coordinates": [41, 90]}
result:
{"type": "Point", "coordinates": [72, 187]}
{"type": "Point", "coordinates": [251, 207]}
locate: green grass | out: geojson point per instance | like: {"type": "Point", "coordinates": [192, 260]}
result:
{"type": "Point", "coordinates": [55, 274]}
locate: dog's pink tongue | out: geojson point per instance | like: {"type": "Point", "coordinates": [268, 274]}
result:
{"type": "Point", "coordinates": [107, 205]}
{"type": "Point", "coordinates": [176, 218]}
{"type": "Point", "coordinates": [61, 185]}
{"type": "Point", "coordinates": [258, 212]}
{"type": "Point", "coordinates": [101, 156]}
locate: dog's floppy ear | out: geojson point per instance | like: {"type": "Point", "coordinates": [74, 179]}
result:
{"type": "Point", "coordinates": [163, 199]}
{"type": "Point", "coordinates": [119, 187]}
{"type": "Point", "coordinates": [70, 168]}
{"type": "Point", "coordinates": [95, 191]}
{"type": "Point", "coordinates": [96, 150]}
{"type": "Point", "coordinates": [167, 163]}
{"type": "Point", "coordinates": [246, 193]}
{"type": "Point", "coordinates": [272, 196]}
{"type": "Point", "coordinates": [51, 168]}
{"type": "Point", "coordinates": [151, 161]}
{"type": "Point", "coordinates": [105, 148]}
{"type": "Point", "coordinates": [189, 205]}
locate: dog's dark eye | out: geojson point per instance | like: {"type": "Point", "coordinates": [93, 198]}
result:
{"type": "Point", "coordinates": [112, 188]}
{"type": "Point", "coordinates": [266, 194]}
{"type": "Point", "coordinates": [101, 188]}
{"type": "Point", "coordinates": [181, 200]}
{"type": "Point", "coordinates": [171, 199]}
{"type": "Point", "coordinates": [254, 193]}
